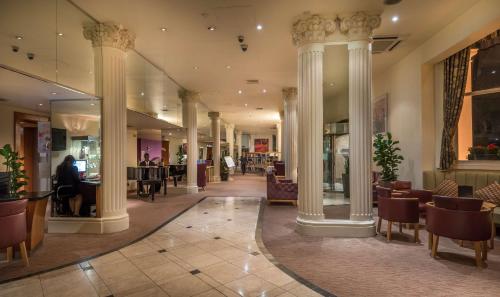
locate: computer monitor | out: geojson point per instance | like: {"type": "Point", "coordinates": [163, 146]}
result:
{"type": "Point", "coordinates": [81, 165]}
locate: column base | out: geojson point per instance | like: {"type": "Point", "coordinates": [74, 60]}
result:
{"type": "Point", "coordinates": [336, 228]}
{"type": "Point", "coordinates": [88, 225]}
{"type": "Point", "coordinates": [216, 179]}
{"type": "Point", "coordinates": [191, 189]}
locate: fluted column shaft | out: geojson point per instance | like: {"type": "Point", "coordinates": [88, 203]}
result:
{"type": "Point", "coordinates": [239, 142]}
{"type": "Point", "coordinates": [215, 117]}
{"type": "Point", "coordinates": [360, 123]}
{"type": "Point", "coordinates": [278, 139]}
{"type": "Point", "coordinates": [189, 108]}
{"type": "Point", "coordinates": [290, 133]}
{"type": "Point", "coordinates": [251, 143]}
{"type": "Point", "coordinates": [230, 138]}
{"type": "Point", "coordinates": [310, 124]}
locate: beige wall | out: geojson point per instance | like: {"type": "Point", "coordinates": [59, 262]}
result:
{"type": "Point", "coordinates": [410, 85]}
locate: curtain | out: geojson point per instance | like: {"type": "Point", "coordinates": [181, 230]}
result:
{"type": "Point", "coordinates": [455, 77]}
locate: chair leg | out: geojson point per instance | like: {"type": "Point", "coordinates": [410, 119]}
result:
{"type": "Point", "coordinates": [417, 235]}
{"type": "Point", "coordinates": [461, 243]}
{"type": "Point", "coordinates": [484, 252]}
{"type": "Point", "coordinates": [477, 249]}
{"type": "Point", "coordinates": [493, 234]}
{"type": "Point", "coordinates": [24, 253]}
{"type": "Point", "coordinates": [9, 253]}
{"type": "Point", "coordinates": [429, 246]}
{"type": "Point", "coordinates": [379, 225]}
{"type": "Point", "coordinates": [389, 230]}
{"type": "Point", "coordinates": [435, 243]}
{"type": "Point", "coordinates": [400, 227]}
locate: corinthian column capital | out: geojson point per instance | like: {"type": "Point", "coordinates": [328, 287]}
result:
{"type": "Point", "coordinates": [312, 28]}
{"type": "Point", "coordinates": [188, 96]}
{"type": "Point", "coordinates": [289, 93]}
{"type": "Point", "coordinates": [360, 25]}
{"type": "Point", "coordinates": [109, 34]}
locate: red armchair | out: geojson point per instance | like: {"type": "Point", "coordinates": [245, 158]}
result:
{"type": "Point", "coordinates": [423, 197]}
{"type": "Point", "coordinates": [400, 210]}
{"type": "Point", "coordinates": [281, 190]}
{"type": "Point", "coordinates": [13, 222]}
{"type": "Point", "coordinates": [461, 219]}
{"type": "Point", "coordinates": [279, 166]}
{"type": "Point", "coordinates": [201, 178]}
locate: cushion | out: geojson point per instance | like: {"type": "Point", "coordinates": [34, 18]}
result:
{"type": "Point", "coordinates": [490, 193]}
{"type": "Point", "coordinates": [448, 188]}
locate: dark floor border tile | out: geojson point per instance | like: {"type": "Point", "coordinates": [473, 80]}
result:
{"type": "Point", "coordinates": [270, 257]}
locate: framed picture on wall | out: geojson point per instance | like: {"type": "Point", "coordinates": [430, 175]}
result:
{"type": "Point", "coordinates": [380, 114]}
{"type": "Point", "coordinates": [261, 145]}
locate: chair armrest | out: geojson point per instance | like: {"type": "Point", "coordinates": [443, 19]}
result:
{"type": "Point", "coordinates": [285, 181]}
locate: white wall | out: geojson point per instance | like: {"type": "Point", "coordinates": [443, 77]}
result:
{"type": "Point", "coordinates": [410, 85]}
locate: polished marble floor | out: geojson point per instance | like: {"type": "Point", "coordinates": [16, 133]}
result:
{"type": "Point", "coordinates": [208, 251]}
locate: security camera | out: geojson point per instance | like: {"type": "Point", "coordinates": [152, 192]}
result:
{"type": "Point", "coordinates": [244, 47]}
{"type": "Point", "coordinates": [241, 38]}
{"type": "Point", "coordinates": [15, 48]}
{"type": "Point", "coordinates": [30, 56]}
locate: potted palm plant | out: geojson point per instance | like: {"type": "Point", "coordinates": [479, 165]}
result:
{"type": "Point", "coordinates": [15, 177]}
{"type": "Point", "coordinates": [386, 155]}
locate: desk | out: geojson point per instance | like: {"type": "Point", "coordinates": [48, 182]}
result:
{"type": "Point", "coordinates": [91, 195]}
{"type": "Point", "coordinates": [35, 216]}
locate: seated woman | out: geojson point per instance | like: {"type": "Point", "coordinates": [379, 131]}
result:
{"type": "Point", "coordinates": [67, 175]}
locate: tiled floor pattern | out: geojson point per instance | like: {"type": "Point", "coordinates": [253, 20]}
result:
{"type": "Point", "coordinates": [208, 251]}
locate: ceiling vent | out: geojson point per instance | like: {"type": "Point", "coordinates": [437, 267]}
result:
{"type": "Point", "coordinates": [252, 81]}
{"type": "Point", "coordinates": [382, 44]}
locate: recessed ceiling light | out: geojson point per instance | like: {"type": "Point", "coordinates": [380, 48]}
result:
{"type": "Point", "coordinates": [163, 29]}
{"type": "Point", "coordinates": [259, 27]}
{"type": "Point", "coordinates": [142, 93]}
{"type": "Point", "coordinates": [19, 37]}
{"type": "Point", "coordinates": [264, 91]}
{"type": "Point", "coordinates": [60, 34]}
{"type": "Point", "coordinates": [170, 133]}
{"type": "Point", "coordinates": [195, 67]}
{"type": "Point", "coordinates": [240, 92]}
{"type": "Point", "coordinates": [493, 71]}
{"type": "Point", "coordinates": [211, 28]}
{"type": "Point", "coordinates": [246, 104]}
{"type": "Point", "coordinates": [395, 18]}
{"type": "Point", "coordinates": [228, 66]}
{"type": "Point", "coordinates": [332, 84]}
{"type": "Point", "coordinates": [40, 104]}
{"type": "Point", "coordinates": [92, 104]}
{"type": "Point", "coordinates": [54, 93]}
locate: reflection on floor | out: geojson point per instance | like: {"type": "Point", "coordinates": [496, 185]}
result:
{"type": "Point", "coordinates": [208, 251]}
{"type": "Point", "coordinates": [335, 198]}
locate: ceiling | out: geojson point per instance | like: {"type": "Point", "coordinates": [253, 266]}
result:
{"type": "Point", "coordinates": [271, 57]}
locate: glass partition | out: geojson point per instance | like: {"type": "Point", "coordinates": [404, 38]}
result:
{"type": "Point", "coordinates": [76, 130]}
{"type": "Point", "coordinates": [45, 39]}
{"type": "Point", "coordinates": [151, 91]}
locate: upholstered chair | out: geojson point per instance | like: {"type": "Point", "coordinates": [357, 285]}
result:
{"type": "Point", "coordinates": [400, 210]}
{"type": "Point", "coordinates": [13, 222]}
{"type": "Point", "coordinates": [460, 219]}
{"type": "Point", "coordinates": [281, 190]}
{"type": "Point", "coordinates": [423, 197]}
{"type": "Point", "coordinates": [280, 169]}
{"type": "Point", "coordinates": [201, 178]}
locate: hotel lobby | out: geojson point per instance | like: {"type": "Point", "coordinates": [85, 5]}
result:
{"type": "Point", "coordinates": [249, 148]}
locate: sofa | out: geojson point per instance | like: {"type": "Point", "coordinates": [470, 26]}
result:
{"type": "Point", "coordinates": [476, 179]}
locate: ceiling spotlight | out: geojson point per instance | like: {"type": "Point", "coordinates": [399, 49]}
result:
{"type": "Point", "coordinates": [19, 37]}
{"type": "Point", "coordinates": [211, 28]}
{"type": "Point", "coordinates": [240, 92]}
{"type": "Point", "coordinates": [60, 34]}
{"type": "Point", "coordinates": [40, 104]}
{"type": "Point", "coordinates": [170, 133]}
{"type": "Point", "coordinates": [54, 93]}
{"type": "Point", "coordinates": [92, 104]}
{"type": "Point", "coordinates": [264, 91]}
{"type": "Point", "coordinates": [395, 18]}
{"type": "Point", "coordinates": [493, 71]}
{"type": "Point", "coordinates": [195, 67]}
{"type": "Point", "coordinates": [259, 27]}
{"type": "Point", "coordinates": [332, 84]}
{"type": "Point", "coordinates": [228, 66]}
{"type": "Point", "coordinates": [163, 29]}
{"type": "Point", "coordinates": [142, 93]}
{"type": "Point", "coordinates": [246, 105]}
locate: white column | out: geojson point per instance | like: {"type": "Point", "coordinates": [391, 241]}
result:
{"type": "Point", "coordinates": [251, 144]}
{"type": "Point", "coordinates": [189, 121]}
{"type": "Point", "coordinates": [239, 142]}
{"type": "Point", "coordinates": [279, 136]}
{"type": "Point", "coordinates": [110, 43]}
{"type": "Point", "coordinates": [215, 117]}
{"type": "Point", "coordinates": [310, 123]}
{"type": "Point", "coordinates": [360, 129]}
{"type": "Point", "coordinates": [290, 137]}
{"type": "Point", "coordinates": [230, 138]}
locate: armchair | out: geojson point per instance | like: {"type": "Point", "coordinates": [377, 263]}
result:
{"type": "Point", "coordinates": [460, 219]}
{"type": "Point", "coordinates": [281, 191]}
{"type": "Point", "coordinates": [13, 222]}
{"type": "Point", "coordinates": [423, 197]}
{"type": "Point", "coordinates": [280, 168]}
{"type": "Point", "coordinates": [401, 210]}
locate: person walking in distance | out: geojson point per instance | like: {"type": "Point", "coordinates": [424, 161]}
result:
{"type": "Point", "coordinates": [243, 163]}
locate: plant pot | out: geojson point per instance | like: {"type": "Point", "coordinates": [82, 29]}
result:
{"type": "Point", "coordinates": [345, 185]}
{"type": "Point", "coordinates": [224, 176]}
{"type": "Point", "coordinates": [485, 157]}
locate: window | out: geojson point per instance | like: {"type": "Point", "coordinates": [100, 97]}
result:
{"type": "Point", "coordinates": [478, 134]}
